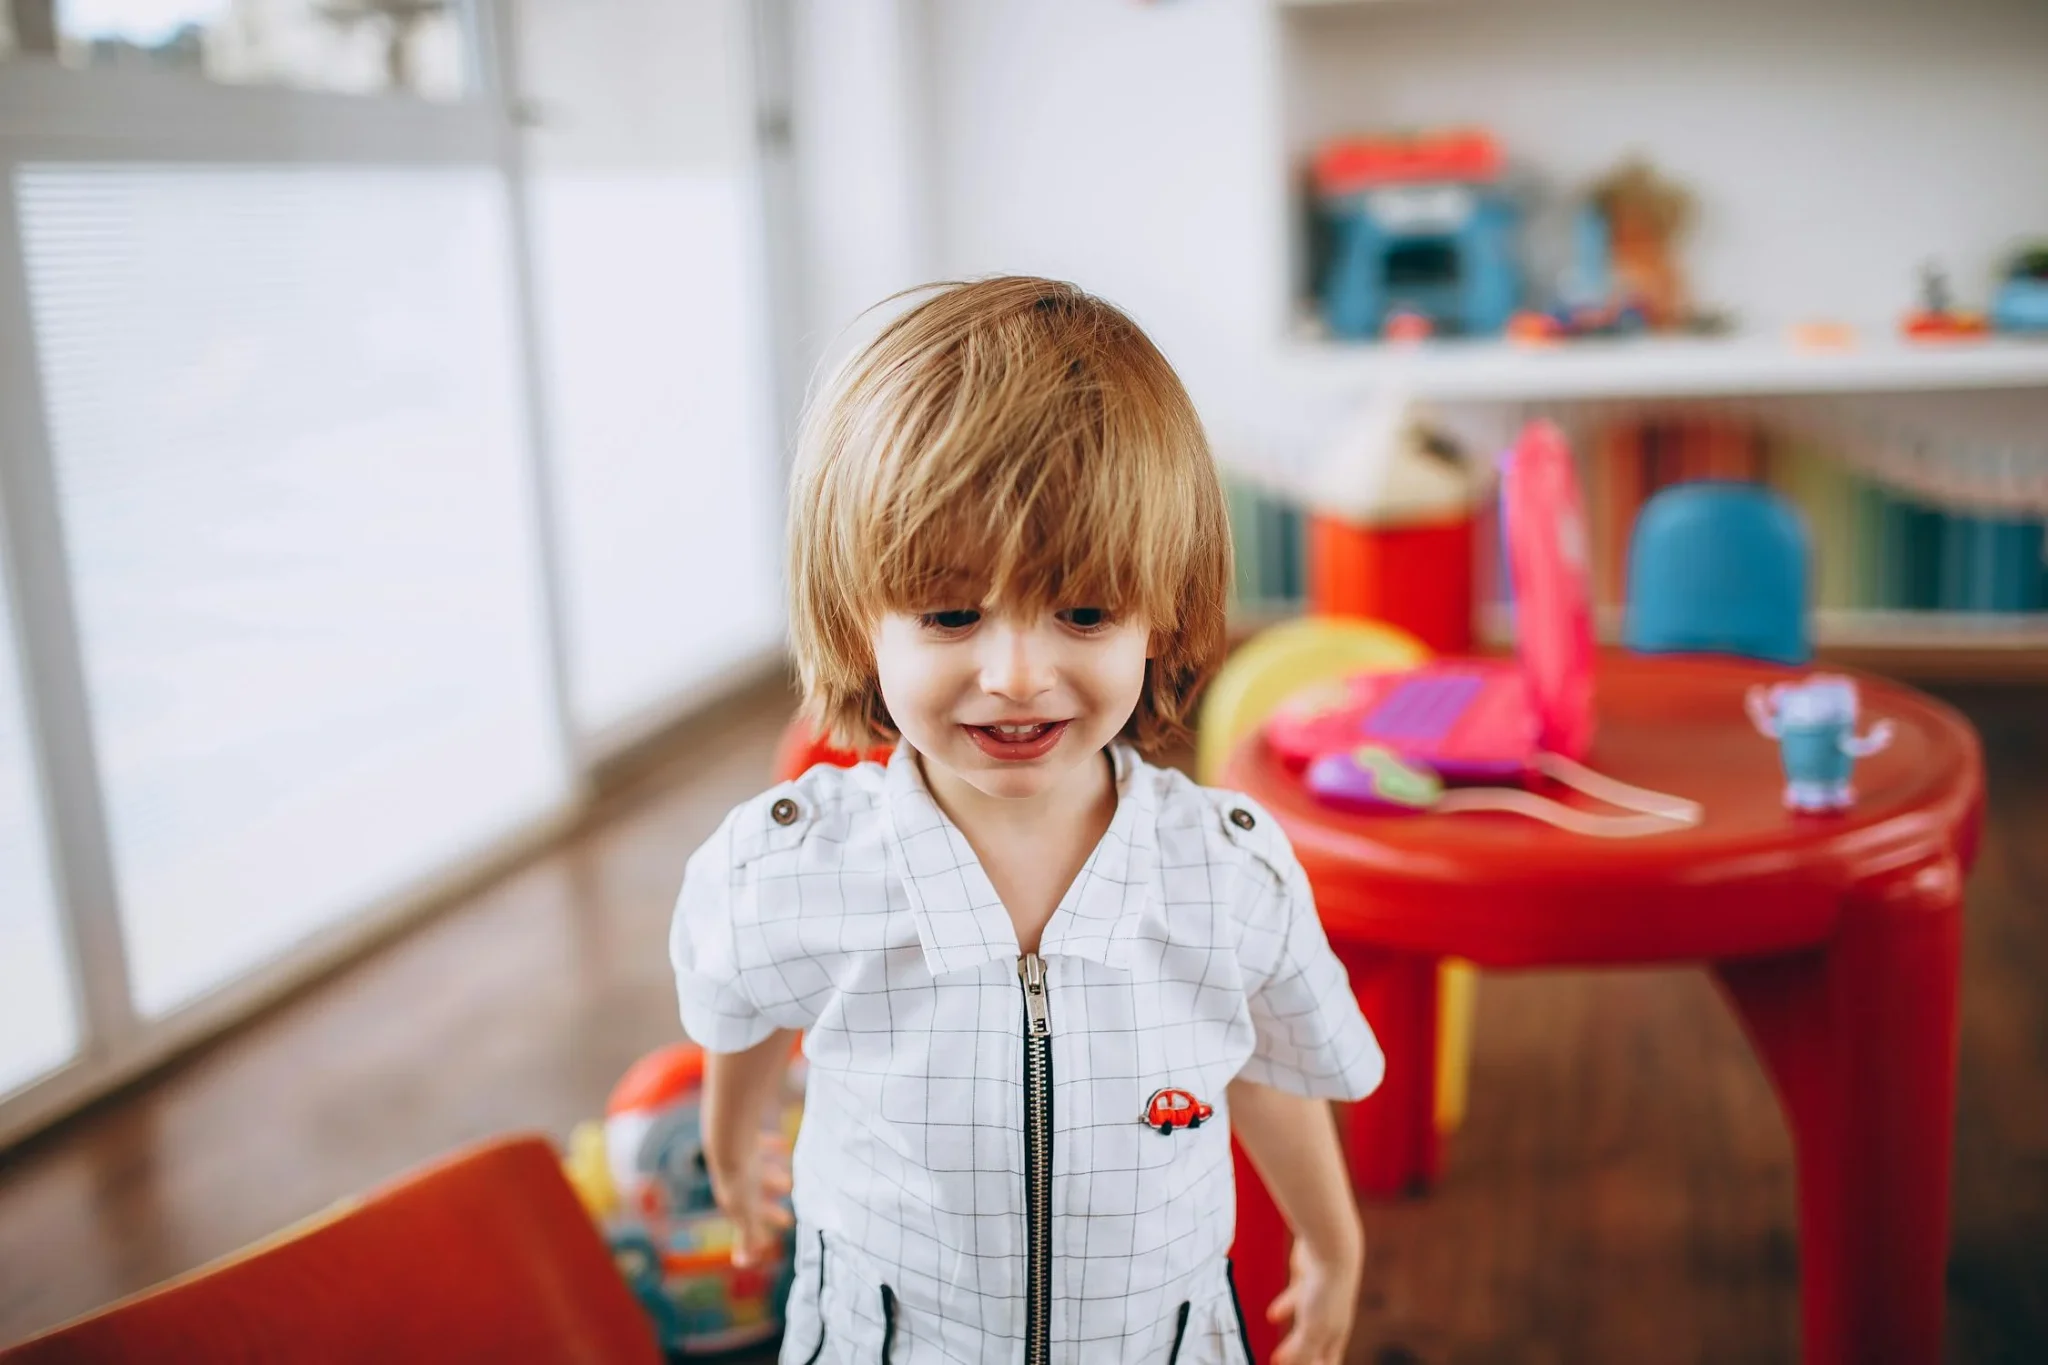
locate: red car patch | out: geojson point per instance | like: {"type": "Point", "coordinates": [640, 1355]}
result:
{"type": "Point", "coordinates": [1169, 1109]}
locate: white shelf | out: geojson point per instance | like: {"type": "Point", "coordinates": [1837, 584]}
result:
{"type": "Point", "coordinates": [1851, 627]}
{"type": "Point", "coordinates": [1858, 628]}
{"type": "Point", "coordinates": [1666, 367]}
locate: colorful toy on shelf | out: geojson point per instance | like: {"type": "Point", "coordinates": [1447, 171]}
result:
{"type": "Point", "coordinates": [1936, 319]}
{"type": "Point", "coordinates": [1642, 217]}
{"type": "Point", "coordinates": [1814, 722]}
{"type": "Point", "coordinates": [1589, 302]}
{"type": "Point", "coordinates": [1624, 276]}
{"type": "Point", "coordinates": [641, 1174]}
{"type": "Point", "coordinates": [1417, 225]}
{"type": "Point", "coordinates": [2021, 304]}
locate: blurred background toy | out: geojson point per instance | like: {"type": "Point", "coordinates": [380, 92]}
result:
{"type": "Point", "coordinates": [1623, 277]}
{"type": "Point", "coordinates": [1720, 566]}
{"type": "Point", "coordinates": [2021, 303]}
{"type": "Point", "coordinates": [1405, 324]}
{"type": "Point", "coordinates": [641, 1174]}
{"type": "Point", "coordinates": [1644, 215]}
{"type": "Point", "coordinates": [1814, 722]}
{"type": "Point", "coordinates": [1822, 334]}
{"type": "Point", "coordinates": [1937, 319]}
{"type": "Point", "coordinates": [1416, 225]}
{"type": "Point", "coordinates": [1390, 521]}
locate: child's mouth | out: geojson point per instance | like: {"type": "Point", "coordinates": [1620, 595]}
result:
{"type": "Point", "coordinates": [1017, 743]}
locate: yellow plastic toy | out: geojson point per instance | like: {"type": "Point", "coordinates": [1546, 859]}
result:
{"type": "Point", "coordinates": [1274, 665]}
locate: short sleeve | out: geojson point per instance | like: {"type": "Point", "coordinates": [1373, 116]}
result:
{"type": "Point", "coordinates": [718, 1013]}
{"type": "Point", "coordinates": [1312, 1038]}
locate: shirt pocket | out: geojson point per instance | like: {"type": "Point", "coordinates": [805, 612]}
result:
{"type": "Point", "coordinates": [1211, 1331]}
{"type": "Point", "coordinates": [857, 1312]}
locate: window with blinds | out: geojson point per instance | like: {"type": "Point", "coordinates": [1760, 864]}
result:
{"type": "Point", "coordinates": [292, 473]}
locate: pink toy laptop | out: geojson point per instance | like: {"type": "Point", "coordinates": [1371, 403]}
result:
{"type": "Point", "coordinates": [1483, 720]}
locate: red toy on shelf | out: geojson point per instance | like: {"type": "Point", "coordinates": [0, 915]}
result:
{"type": "Point", "coordinates": [1453, 154]}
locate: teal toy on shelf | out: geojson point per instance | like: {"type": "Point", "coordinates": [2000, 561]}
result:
{"type": "Point", "coordinates": [1421, 236]}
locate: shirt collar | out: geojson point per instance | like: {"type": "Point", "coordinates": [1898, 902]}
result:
{"type": "Point", "coordinates": [961, 921]}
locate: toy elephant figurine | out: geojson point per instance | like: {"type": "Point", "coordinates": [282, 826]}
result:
{"type": "Point", "coordinates": [1814, 722]}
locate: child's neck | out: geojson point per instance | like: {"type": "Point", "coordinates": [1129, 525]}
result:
{"type": "Point", "coordinates": [1032, 848]}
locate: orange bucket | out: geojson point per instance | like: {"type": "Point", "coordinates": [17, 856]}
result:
{"type": "Point", "coordinates": [1416, 577]}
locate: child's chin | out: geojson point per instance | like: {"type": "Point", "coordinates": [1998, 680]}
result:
{"type": "Point", "coordinates": [1012, 783]}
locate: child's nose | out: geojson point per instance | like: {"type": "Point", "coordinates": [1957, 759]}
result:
{"type": "Point", "coordinates": [1016, 662]}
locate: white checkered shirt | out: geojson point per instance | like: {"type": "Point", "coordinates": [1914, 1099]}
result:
{"type": "Point", "coordinates": [1185, 954]}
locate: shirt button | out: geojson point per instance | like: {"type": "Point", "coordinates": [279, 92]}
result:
{"type": "Point", "coordinates": [783, 812]}
{"type": "Point", "coordinates": [1242, 818]}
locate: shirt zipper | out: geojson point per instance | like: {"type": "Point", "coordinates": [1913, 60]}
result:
{"type": "Point", "coordinates": [1037, 1162]}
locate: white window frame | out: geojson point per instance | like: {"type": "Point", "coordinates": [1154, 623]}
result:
{"type": "Point", "coordinates": [52, 113]}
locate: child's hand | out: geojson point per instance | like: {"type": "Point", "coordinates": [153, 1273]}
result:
{"type": "Point", "coordinates": [750, 1193]}
{"type": "Point", "coordinates": [1321, 1297]}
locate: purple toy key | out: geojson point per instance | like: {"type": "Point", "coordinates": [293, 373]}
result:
{"type": "Point", "coordinates": [1371, 778]}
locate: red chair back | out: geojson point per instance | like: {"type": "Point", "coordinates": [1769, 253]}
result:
{"type": "Point", "coordinates": [486, 1255]}
{"type": "Point", "coordinates": [801, 749]}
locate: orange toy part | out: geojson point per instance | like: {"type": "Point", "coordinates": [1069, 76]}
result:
{"type": "Point", "coordinates": [659, 1078]}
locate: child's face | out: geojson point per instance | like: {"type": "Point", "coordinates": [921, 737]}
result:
{"type": "Point", "coordinates": [1012, 705]}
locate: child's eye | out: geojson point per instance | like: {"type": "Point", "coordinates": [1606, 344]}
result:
{"type": "Point", "coordinates": [1085, 618]}
{"type": "Point", "coordinates": [949, 620]}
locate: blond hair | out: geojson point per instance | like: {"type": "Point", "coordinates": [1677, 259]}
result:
{"type": "Point", "coordinates": [1010, 441]}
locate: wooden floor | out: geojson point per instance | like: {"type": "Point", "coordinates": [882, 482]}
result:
{"type": "Point", "coordinates": [1622, 1191]}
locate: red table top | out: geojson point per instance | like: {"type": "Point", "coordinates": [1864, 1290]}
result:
{"type": "Point", "coordinates": [1752, 878]}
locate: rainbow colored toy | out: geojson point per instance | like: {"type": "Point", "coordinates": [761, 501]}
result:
{"type": "Point", "coordinates": [641, 1174]}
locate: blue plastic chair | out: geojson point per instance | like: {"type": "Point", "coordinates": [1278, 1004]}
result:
{"type": "Point", "coordinates": [1719, 568]}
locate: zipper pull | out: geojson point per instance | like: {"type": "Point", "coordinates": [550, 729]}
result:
{"type": "Point", "coordinates": [1031, 967]}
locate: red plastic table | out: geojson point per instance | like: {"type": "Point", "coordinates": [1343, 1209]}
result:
{"type": "Point", "coordinates": [1835, 938]}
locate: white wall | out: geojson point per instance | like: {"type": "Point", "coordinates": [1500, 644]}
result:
{"type": "Point", "coordinates": [1132, 148]}
{"type": "Point", "coordinates": [654, 336]}
{"type": "Point", "coordinates": [863, 115]}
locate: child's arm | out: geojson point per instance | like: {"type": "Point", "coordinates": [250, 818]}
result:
{"type": "Point", "coordinates": [738, 1087]}
{"type": "Point", "coordinates": [1292, 1143]}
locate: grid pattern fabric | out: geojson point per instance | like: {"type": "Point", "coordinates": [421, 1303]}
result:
{"type": "Point", "coordinates": [1186, 953]}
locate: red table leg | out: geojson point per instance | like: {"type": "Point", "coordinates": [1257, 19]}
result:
{"type": "Point", "coordinates": [1860, 1040]}
{"type": "Point", "coordinates": [1390, 1137]}
{"type": "Point", "coordinates": [1258, 1256]}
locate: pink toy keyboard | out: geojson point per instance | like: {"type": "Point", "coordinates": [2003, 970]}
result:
{"type": "Point", "coordinates": [1480, 720]}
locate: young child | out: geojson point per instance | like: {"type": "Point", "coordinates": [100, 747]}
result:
{"type": "Point", "coordinates": [1040, 981]}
